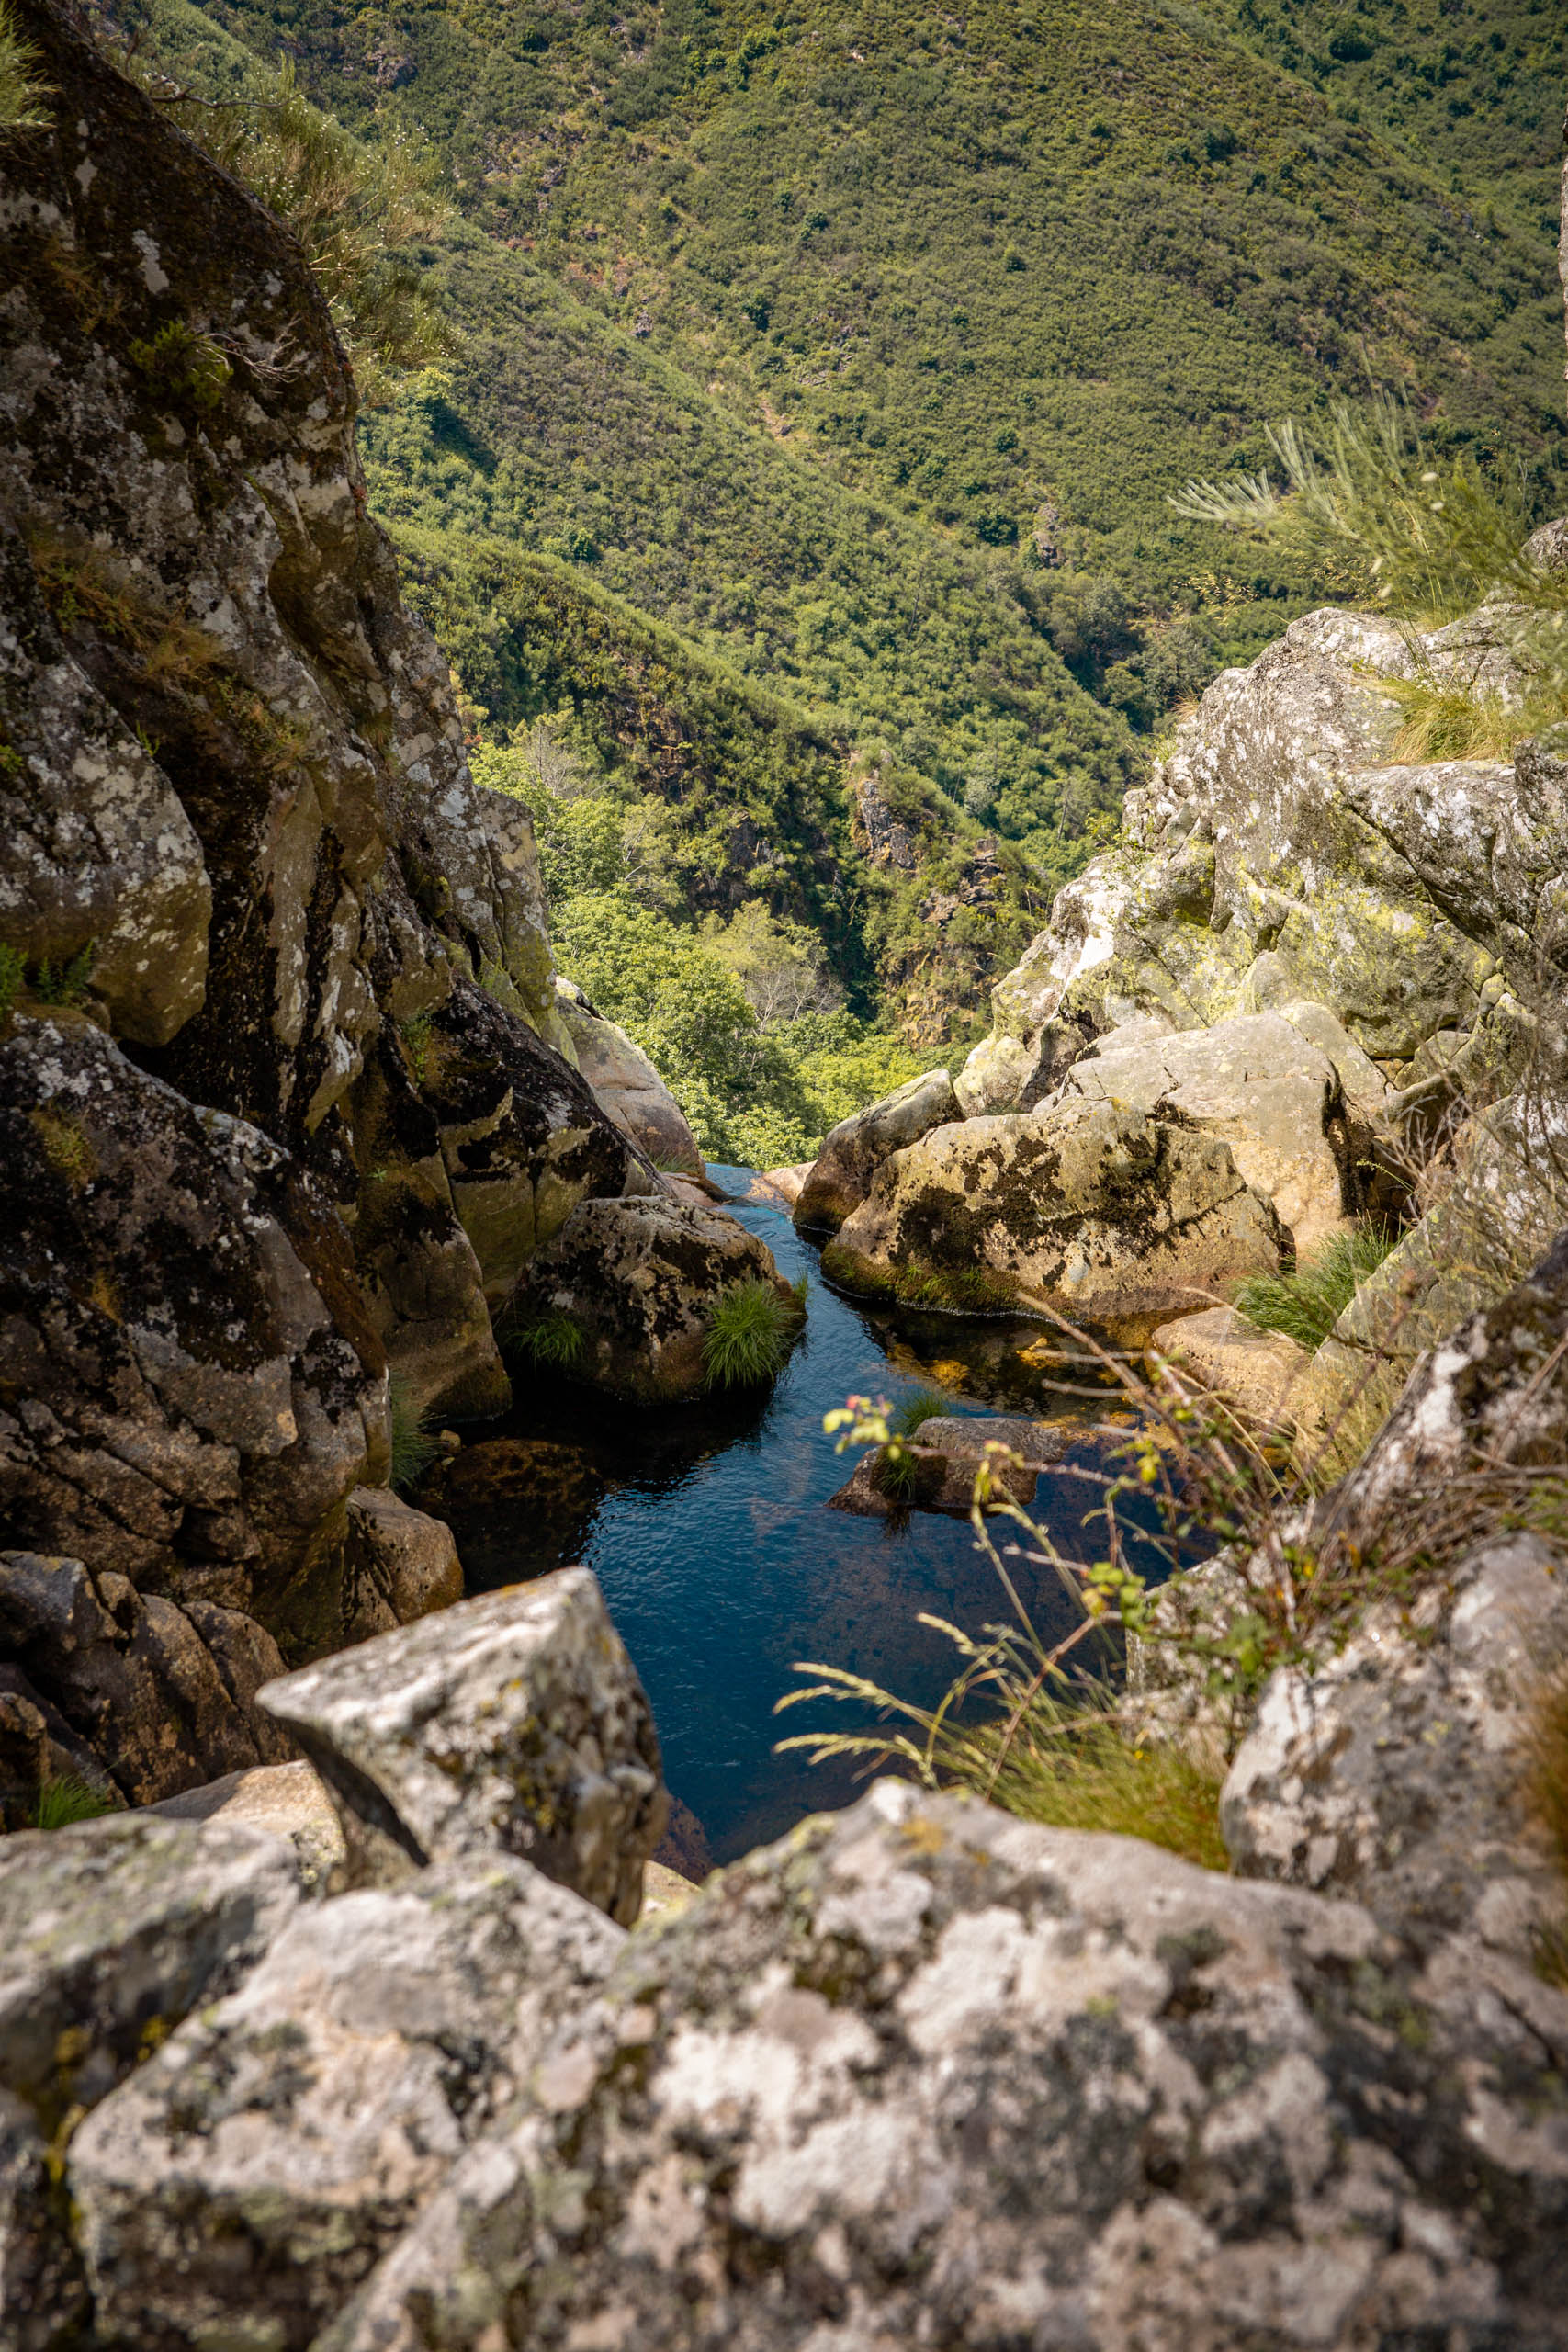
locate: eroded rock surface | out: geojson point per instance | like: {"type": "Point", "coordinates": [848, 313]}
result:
{"type": "Point", "coordinates": [1096, 1211]}
{"type": "Point", "coordinates": [513, 1723]}
{"type": "Point", "coordinates": [922, 2074]}
{"type": "Point", "coordinates": [259, 2164]}
{"type": "Point", "coordinates": [854, 1151]}
{"type": "Point", "coordinates": [625, 1085]}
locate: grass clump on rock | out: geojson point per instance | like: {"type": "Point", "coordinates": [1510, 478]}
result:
{"type": "Point", "coordinates": [1306, 1305]}
{"type": "Point", "coordinates": [896, 1466]}
{"type": "Point", "coordinates": [751, 1332]}
{"type": "Point", "coordinates": [66, 1799]}
{"type": "Point", "coordinates": [413, 1447]}
{"type": "Point", "coordinates": [552, 1342]}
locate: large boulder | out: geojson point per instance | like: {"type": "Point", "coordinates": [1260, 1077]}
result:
{"type": "Point", "coordinates": [192, 1390]}
{"type": "Point", "coordinates": [252, 2173]}
{"type": "Point", "coordinates": [625, 1085]}
{"type": "Point", "coordinates": [856, 1147]}
{"type": "Point", "coordinates": [637, 1280]}
{"type": "Point", "coordinates": [1393, 1773]}
{"type": "Point", "coordinates": [923, 2073]}
{"type": "Point", "coordinates": [1256, 1081]}
{"type": "Point", "coordinates": [1091, 1210]}
{"type": "Point", "coordinates": [110, 1932]}
{"type": "Point", "coordinates": [1278, 854]}
{"type": "Point", "coordinates": [399, 1564]}
{"type": "Point", "coordinates": [512, 1722]}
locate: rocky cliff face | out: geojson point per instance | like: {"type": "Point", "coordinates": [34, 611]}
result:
{"type": "Point", "coordinates": [287, 1101]}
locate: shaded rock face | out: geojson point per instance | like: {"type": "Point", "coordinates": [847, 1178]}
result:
{"type": "Point", "coordinates": [265, 2159]}
{"type": "Point", "coordinates": [625, 1085]}
{"type": "Point", "coordinates": [110, 1933]}
{"type": "Point", "coordinates": [856, 1147]}
{"type": "Point", "coordinates": [196, 1393]}
{"type": "Point", "coordinates": [513, 1723]}
{"type": "Point", "coordinates": [922, 2074]}
{"type": "Point", "coordinates": [1278, 855]}
{"type": "Point", "coordinates": [1092, 1210]}
{"type": "Point", "coordinates": [639, 1278]}
{"type": "Point", "coordinates": [399, 1564]}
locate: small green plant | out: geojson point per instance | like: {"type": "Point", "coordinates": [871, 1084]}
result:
{"type": "Point", "coordinates": [553, 1342]}
{"type": "Point", "coordinates": [896, 1464]}
{"type": "Point", "coordinates": [1306, 1305]}
{"type": "Point", "coordinates": [68, 983]}
{"type": "Point", "coordinates": [13, 972]}
{"type": "Point", "coordinates": [183, 363]}
{"type": "Point", "coordinates": [413, 1446]}
{"type": "Point", "coordinates": [66, 1799]}
{"type": "Point", "coordinates": [751, 1332]}
{"type": "Point", "coordinates": [65, 1147]}
{"type": "Point", "coordinates": [416, 1041]}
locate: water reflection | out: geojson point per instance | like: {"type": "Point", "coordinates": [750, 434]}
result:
{"type": "Point", "coordinates": [708, 1529]}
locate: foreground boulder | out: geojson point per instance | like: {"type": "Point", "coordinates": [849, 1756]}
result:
{"type": "Point", "coordinates": [854, 1151]}
{"type": "Point", "coordinates": [634, 1282]}
{"type": "Point", "coordinates": [110, 1933]}
{"type": "Point", "coordinates": [511, 1723]}
{"type": "Point", "coordinates": [923, 2073]}
{"type": "Point", "coordinates": [257, 2167]}
{"type": "Point", "coordinates": [1089, 1210]}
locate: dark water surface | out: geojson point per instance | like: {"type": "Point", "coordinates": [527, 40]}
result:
{"type": "Point", "coordinates": [708, 1529]}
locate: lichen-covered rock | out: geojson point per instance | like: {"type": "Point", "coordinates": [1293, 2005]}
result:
{"type": "Point", "coordinates": [399, 1564]}
{"type": "Point", "coordinates": [288, 1801]}
{"type": "Point", "coordinates": [924, 2073]}
{"type": "Point", "coordinates": [163, 1697]}
{"type": "Point", "coordinates": [515, 1722]}
{"type": "Point", "coordinates": [254, 2169]}
{"type": "Point", "coordinates": [1254, 1081]}
{"type": "Point", "coordinates": [856, 1147]}
{"type": "Point", "coordinates": [1393, 1773]}
{"type": "Point", "coordinates": [1091, 1210]}
{"type": "Point", "coordinates": [110, 1933]}
{"type": "Point", "coordinates": [939, 1473]}
{"type": "Point", "coordinates": [625, 1085]}
{"type": "Point", "coordinates": [638, 1280]}
{"type": "Point", "coordinates": [191, 1389]}
{"type": "Point", "coordinates": [1278, 854]}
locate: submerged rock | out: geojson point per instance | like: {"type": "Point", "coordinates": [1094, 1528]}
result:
{"type": "Point", "coordinates": [841, 1175]}
{"type": "Point", "coordinates": [1093, 1211]}
{"type": "Point", "coordinates": [513, 1723]}
{"type": "Point", "coordinates": [637, 1281]}
{"type": "Point", "coordinates": [256, 2168]}
{"type": "Point", "coordinates": [920, 2073]}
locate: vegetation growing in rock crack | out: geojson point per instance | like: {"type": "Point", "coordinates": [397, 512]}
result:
{"type": "Point", "coordinates": [1306, 1305]}
{"type": "Point", "coordinates": [896, 1464]}
{"type": "Point", "coordinates": [414, 1447]}
{"type": "Point", "coordinates": [550, 1342]}
{"type": "Point", "coordinates": [751, 1331]}
{"type": "Point", "coordinates": [24, 92]}
{"type": "Point", "coordinates": [65, 1798]}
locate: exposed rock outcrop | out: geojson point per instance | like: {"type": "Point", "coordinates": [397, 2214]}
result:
{"type": "Point", "coordinates": [854, 1151]}
{"type": "Point", "coordinates": [626, 1084]}
{"type": "Point", "coordinates": [511, 1723]}
{"type": "Point", "coordinates": [1093, 1211]}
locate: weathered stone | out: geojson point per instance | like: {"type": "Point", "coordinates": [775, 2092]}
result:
{"type": "Point", "coordinates": [513, 1722]}
{"type": "Point", "coordinates": [96, 851]}
{"type": "Point", "coordinates": [858, 1146]}
{"type": "Point", "coordinates": [155, 1424]}
{"type": "Point", "coordinates": [1258, 1083]}
{"type": "Point", "coordinates": [664, 1892]}
{"type": "Point", "coordinates": [639, 1279]}
{"type": "Point", "coordinates": [923, 2072]}
{"type": "Point", "coordinates": [288, 1801]}
{"type": "Point", "coordinates": [251, 2174]}
{"type": "Point", "coordinates": [625, 1085]}
{"type": "Point", "coordinates": [43, 2295]}
{"type": "Point", "coordinates": [399, 1564]}
{"type": "Point", "coordinates": [163, 1697]}
{"type": "Point", "coordinates": [1393, 1773]}
{"type": "Point", "coordinates": [1089, 1210]}
{"type": "Point", "coordinates": [780, 1187]}
{"type": "Point", "coordinates": [940, 1471]}
{"type": "Point", "coordinates": [1264, 1376]}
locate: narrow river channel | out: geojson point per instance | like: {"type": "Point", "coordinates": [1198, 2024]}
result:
{"type": "Point", "coordinates": [709, 1529]}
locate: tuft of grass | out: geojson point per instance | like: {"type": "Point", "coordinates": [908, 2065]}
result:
{"type": "Point", "coordinates": [22, 89]}
{"type": "Point", "coordinates": [1306, 1305]}
{"type": "Point", "coordinates": [415, 1035]}
{"type": "Point", "coordinates": [1445, 718]}
{"type": "Point", "coordinates": [896, 1466]}
{"type": "Point", "coordinates": [70, 983]}
{"type": "Point", "coordinates": [552, 1342]}
{"type": "Point", "coordinates": [65, 1147]}
{"type": "Point", "coordinates": [66, 1799]}
{"type": "Point", "coordinates": [413, 1446]}
{"type": "Point", "coordinates": [751, 1332]}
{"type": "Point", "coordinates": [13, 972]}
